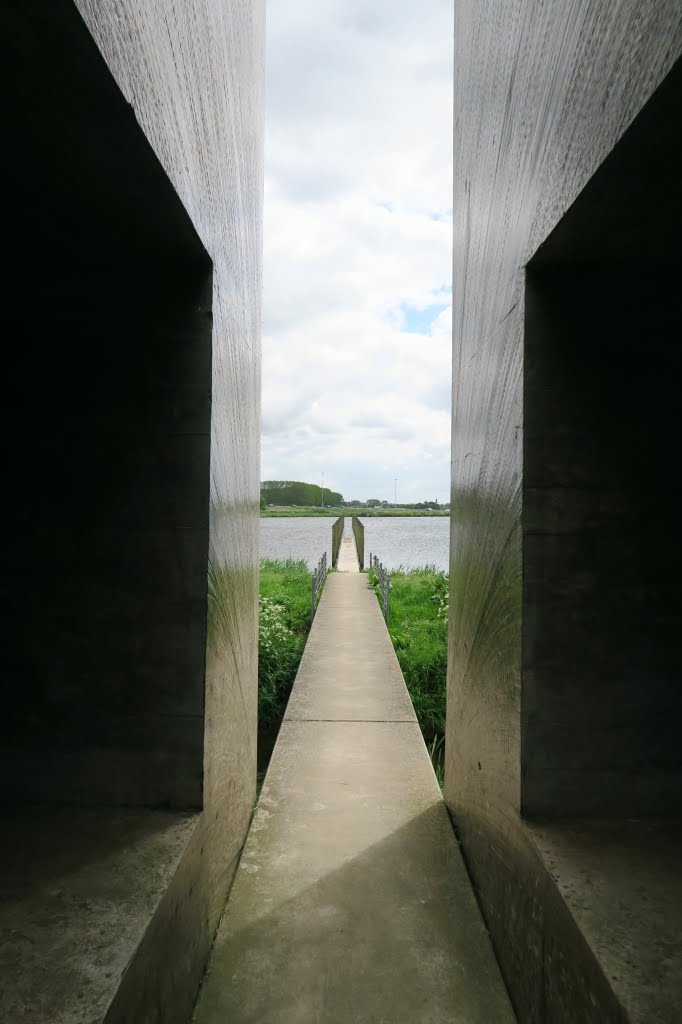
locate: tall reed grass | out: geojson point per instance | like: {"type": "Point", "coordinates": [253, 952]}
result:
{"type": "Point", "coordinates": [284, 623]}
{"type": "Point", "coordinates": [419, 631]}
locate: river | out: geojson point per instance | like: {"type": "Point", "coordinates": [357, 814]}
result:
{"type": "Point", "coordinates": [397, 540]}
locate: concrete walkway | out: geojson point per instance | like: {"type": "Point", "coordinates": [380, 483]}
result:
{"type": "Point", "coordinates": [348, 556]}
{"type": "Point", "coordinates": [351, 903]}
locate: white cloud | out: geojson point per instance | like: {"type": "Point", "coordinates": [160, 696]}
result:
{"type": "Point", "coordinates": [357, 228]}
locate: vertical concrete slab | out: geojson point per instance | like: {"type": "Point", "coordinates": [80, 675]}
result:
{"type": "Point", "coordinates": [134, 163]}
{"type": "Point", "coordinates": [543, 93]}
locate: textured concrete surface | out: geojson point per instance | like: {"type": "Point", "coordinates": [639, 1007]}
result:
{"type": "Point", "coordinates": [543, 94]}
{"type": "Point", "coordinates": [373, 689]}
{"type": "Point", "coordinates": [133, 156]}
{"type": "Point", "coordinates": [351, 901]}
{"type": "Point", "coordinates": [105, 659]}
{"type": "Point", "coordinates": [621, 883]}
{"type": "Point", "coordinates": [348, 556]}
{"type": "Point", "coordinates": [79, 889]}
{"type": "Point", "coordinates": [601, 704]}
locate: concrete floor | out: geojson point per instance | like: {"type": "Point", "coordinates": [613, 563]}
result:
{"type": "Point", "coordinates": [351, 902]}
{"type": "Point", "coordinates": [621, 882]}
{"type": "Point", "coordinates": [348, 556]}
{"type": "Point", "coordinates": [79, 888]}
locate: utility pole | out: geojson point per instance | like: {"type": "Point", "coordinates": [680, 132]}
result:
{"type": "Point", "coordinates": [395, 492]}
{"type": "Point", "coordinates": [322, 493]}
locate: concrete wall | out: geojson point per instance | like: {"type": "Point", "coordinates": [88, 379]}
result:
{"type": "Point", "coordinates": [601, 702]}
{"type": "Point", "coordinates": [560, 683]}
{"type": "Point", "coordinates": [134, 167]}
{"type": "Point", "coordinates": [108, 311]}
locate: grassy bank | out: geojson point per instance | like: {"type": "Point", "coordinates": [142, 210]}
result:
{"type": "Point", "coordinates": [290, 511]}
{"type": "Point", "coordinates": [419, 631]}
{"type": "Point", "coordinates": [284, 623]}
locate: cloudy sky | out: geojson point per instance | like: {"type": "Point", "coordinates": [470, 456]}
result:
{"type": "Point", "coordinates": [357, 275]}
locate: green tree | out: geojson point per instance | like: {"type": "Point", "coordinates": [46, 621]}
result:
{"type": "Point", "coordinates": [296, 492]}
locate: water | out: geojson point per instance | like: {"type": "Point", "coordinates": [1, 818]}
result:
{"type": "Point", "coordinates": [408, 540]}
{"type": "Point", "coordinates": [306, 538]}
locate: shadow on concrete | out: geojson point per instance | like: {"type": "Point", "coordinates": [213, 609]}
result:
{"type": "Point", "coordinates": [392, 934]}
{"type": "Point", "coordinates": [79, 888]}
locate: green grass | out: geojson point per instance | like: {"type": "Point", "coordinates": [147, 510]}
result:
{"type": "Point", "coordinates": [284, 623]}
{"type": "Point", "coordinates": [419, 631]}
{"type": "Point", "coordinates": [291, 511]}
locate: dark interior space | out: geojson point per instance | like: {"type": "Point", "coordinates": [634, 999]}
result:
{"type": "Point", "coordinates": [602, 548]}
{"type": "Point", "coordinates": [107, 325]}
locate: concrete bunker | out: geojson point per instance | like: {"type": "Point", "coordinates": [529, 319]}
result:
{"type": "Point", "coordinates": [114, 878]}
{"type": "Point", "coordinates": [110, 363]}
{"type": "Point", "coordinates": [562, 758]}
{"type": "Point", "coordinates": [601, 705]}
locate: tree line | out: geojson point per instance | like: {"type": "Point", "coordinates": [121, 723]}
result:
{"type": "Point", "coordinates": [296, 492]}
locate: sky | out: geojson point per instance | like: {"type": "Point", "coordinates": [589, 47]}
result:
{"type": "Point", "coordinates": [357, 247]}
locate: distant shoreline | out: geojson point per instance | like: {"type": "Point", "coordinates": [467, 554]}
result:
{"type": "Point", "coordinates": [296, 511]}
